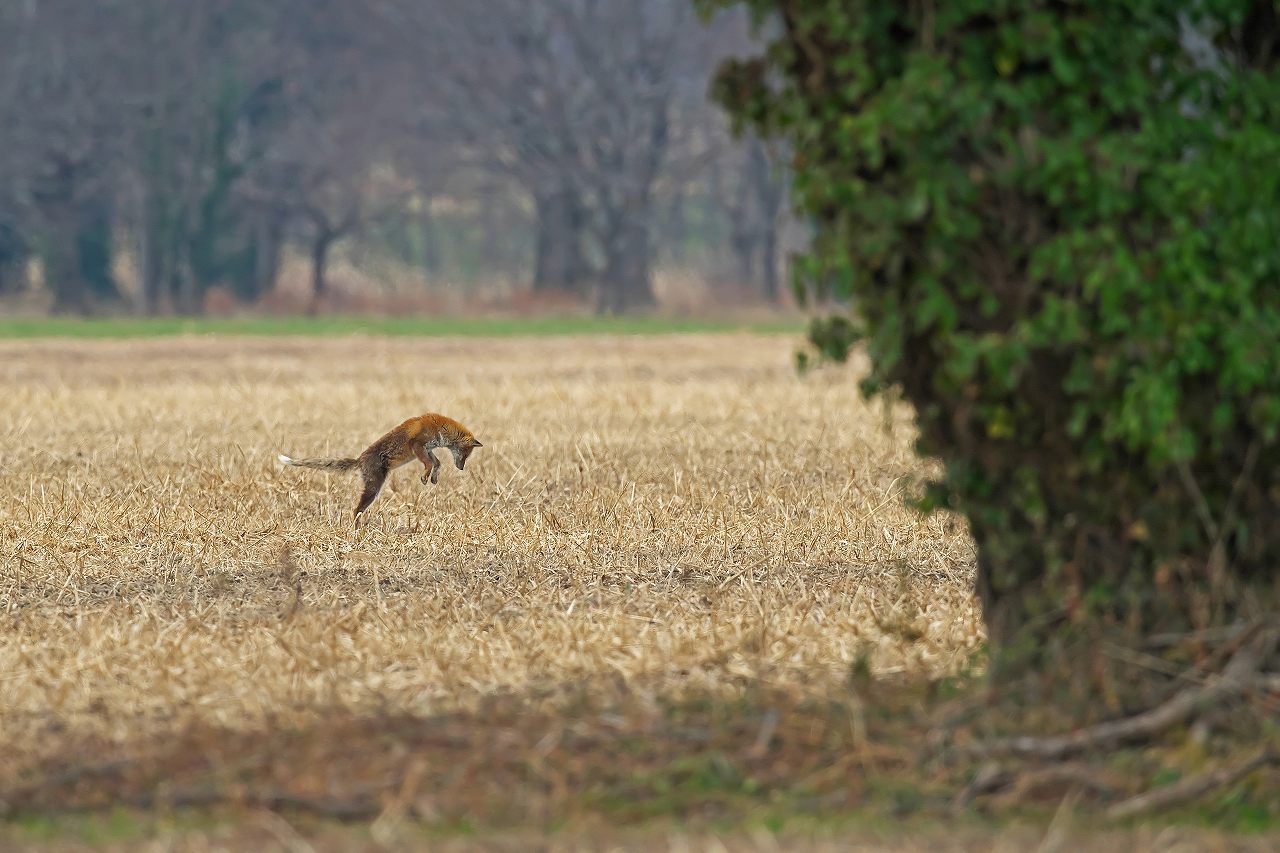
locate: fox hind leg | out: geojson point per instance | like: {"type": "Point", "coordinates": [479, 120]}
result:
{"type": "Point", "coordinates": [374, 476]}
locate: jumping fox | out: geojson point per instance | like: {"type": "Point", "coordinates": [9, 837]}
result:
{"type": "Point", "coordinates": [415, 438]}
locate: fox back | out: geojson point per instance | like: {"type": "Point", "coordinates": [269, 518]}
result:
{"type": "Point", "coordinates": [424, 432]}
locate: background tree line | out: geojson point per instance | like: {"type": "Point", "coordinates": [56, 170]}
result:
{"type": "Point", "coordinates": [567, 146]}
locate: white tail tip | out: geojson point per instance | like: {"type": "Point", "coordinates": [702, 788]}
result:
{"type": "Point", "coordinates": [284, 460]}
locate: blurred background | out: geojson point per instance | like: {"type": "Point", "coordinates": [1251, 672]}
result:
{"type": "Point", "coordinates": [409, 156]}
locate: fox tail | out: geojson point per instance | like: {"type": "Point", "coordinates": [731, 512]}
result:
{"type": "Point", "coordinates": [322, 464]}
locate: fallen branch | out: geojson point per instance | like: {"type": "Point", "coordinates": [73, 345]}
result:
{"type": "Point", "coordinates": [1189, 789]}
{"type": "Point", "coordinates": [1238, 676]}
{"type": "Point", "coordinates": [1029, 784]}
{"type": "Point", "coordinates": [70, 776]}
{"type": "Point", "coordinates": [360, 807]}
{"type": "Point", "coordinates": [1223, 634]}
{"type": "Point", "coordinates": [1078, 777]}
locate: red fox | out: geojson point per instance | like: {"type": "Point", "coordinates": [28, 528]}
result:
{"type": "Point", "coordinates": [415, 438]}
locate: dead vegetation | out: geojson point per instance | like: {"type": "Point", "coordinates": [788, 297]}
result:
{"type": "Point", "coordinates": [677, 515]}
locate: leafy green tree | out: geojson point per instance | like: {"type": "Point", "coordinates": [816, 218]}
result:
{"type": "Point", "coordinates": [1059, 224]}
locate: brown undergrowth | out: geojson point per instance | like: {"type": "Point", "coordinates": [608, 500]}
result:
{"type": "Point", "coordinates": [617, 755]}
{"type": "Point", "coordinates": [511, 761]}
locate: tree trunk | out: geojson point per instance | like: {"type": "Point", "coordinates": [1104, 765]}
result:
{"type": "Point", "coordinates": [769, 263]}
{"type": "Point", "coordinates": [268, 241]}
{"type": "Point", "coordinates": [742, 231]}
{"type": "Point", "coordinates": [559, 264]}
{"type": "Point", "coordinates": [151, 249]}
{"type": "Point", "coordinates": [319, 258]}
{"type": "Point", "coordinates": [770, 193]}
{"type": "Point", "coordinates": [13, 261]}
{"type": "Point", "coordinates": [56, 198]}
{"type": "Point", "coordinates": [180, 239]}
{"type": "Point", "coordinates": [627, 282]}
{"type": "Point", "coordinates": [1068, 606]}
{"type": "Point", "coordinates": [184, 288]}
{"type": "Point", "coordinates": [429, 230]}
{"type": "Point", "coordinates": [628, 244]}
{"type": "Point", "coordinates": [677, 226]}
{"type": "Point", "coordinates": [95, 250]}
{"type": "Point", "coordinates": [62, 265]}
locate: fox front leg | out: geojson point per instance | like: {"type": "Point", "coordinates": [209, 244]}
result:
{"type": "Point", "coordinates": [431, 465]}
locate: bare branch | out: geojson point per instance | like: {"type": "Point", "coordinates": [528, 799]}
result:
{"type": "Point", "coordinates": [1191, 789]}
{"type": "Point", "coordinates": [1238, 676]}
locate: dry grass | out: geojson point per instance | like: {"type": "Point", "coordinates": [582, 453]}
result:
{"type": "Point", "coordinates": [671, 516]}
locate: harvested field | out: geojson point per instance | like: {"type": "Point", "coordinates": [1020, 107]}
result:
{"type": "Point", "coordinates": [666, 516]}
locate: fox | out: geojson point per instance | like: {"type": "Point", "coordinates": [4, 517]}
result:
{"type": "Point", "coordinates": [415, 438]}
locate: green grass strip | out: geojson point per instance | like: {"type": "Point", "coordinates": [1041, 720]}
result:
{"type": "Point", "coordinates": [154, 327]}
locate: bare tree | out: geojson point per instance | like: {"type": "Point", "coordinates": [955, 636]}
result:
{"type": "Point", "coordinates": [206, 85]}
{"type": "Point", "coordinates": [631, 57]}
{"type": "Point", "coordinates": [755, 217]}
{"type": "Point", "coordinates": [59, 58]}
{"type": "Point", "coordinates": [325, 168]}
{"type": "Point", "coordinates": [213, 132]}
{"type": "Point", "coordinates": [575, 101]}
{"type": "Point", "coordinates": [482, 84]}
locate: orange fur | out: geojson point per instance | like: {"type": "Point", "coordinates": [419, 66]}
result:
{"type": "Point", "coordinates": [413, 439]}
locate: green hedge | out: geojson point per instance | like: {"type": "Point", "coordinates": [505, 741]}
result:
{"type": "Point", "coordinates": [1059, 223]}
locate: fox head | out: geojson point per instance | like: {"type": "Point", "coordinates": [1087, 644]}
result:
{"type": "Point", "coordinates": [462, 447]}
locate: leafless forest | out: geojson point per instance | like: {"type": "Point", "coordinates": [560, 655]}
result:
{"type": "Point", "coordinates": [165, 157]}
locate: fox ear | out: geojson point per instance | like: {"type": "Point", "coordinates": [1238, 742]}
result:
{"type": "Point", "coordinates": [475, 443]}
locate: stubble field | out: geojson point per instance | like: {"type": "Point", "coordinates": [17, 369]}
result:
{"type": "Point", "coordinates": [652, 520]}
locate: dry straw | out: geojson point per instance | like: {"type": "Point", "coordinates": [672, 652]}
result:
{"type": "Point", "coordinates": [678, 513]}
